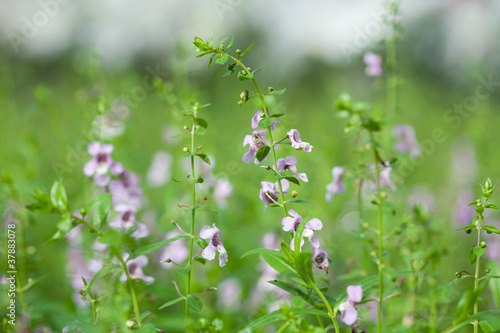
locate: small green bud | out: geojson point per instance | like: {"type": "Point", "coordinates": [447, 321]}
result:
{"type": "Point", "coordinates": [294, 194]}
{"type": "Point", "coordinates": [458, 274]}
{"type": "Point", "coordinates": [83, 211]}
{"type": "Point", "coordinates": [238, 52]}
{"type": "Point", "coordinates": [244, 95]}
{"type": "Point", "coordinates": [397, 230]}
{"type": "Point", "coordinates": [222, 47]}
{"type": "Point", "coordinates": [249, 70]}
{"type": "Point", "coordinates": [373, 254]}
{"type": "Point", "coordinates": [381, 267]}
{"type": "Point", "coordinates": [270, 89]}
{"type": "Point", "coordinates": [203, 323]}
{"type": "Point", "coordinates": [185, 149]}
{"type": "Point", "coordinates": [482, 244]}
{"type": "Point", "coordinates": [468, 231]}
{"type": "Point", "coordinates": [365, 226]}
{"type": "Point", "coordinates": [488, 271]}
{"type": "Point", "coordinates": [130, 323]}
{"type": "Point", "coordinates": [383, 195]}
{"type": "Point", "coordinates": [488, 232]}
{"type": "Point", "coordinates": [240, 102]}
{"type": "Point", "coordinates": [185, 127]}
{"type": "Point", "coordinates": [179, 205]}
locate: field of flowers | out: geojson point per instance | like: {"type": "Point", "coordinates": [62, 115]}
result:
{"type": "Point", "coordinates": [213, 190]}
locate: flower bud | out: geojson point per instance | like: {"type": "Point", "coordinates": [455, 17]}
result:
{"type": "Point", "coordinates": [397, 230]}
{"type": "Point", "coordinates": [130, 323]}
{"type": "Point", "coordinates": [294, 194]}
{"type": "Point", "coordinates": [185, 127]}
{"type": "Point", "coordinates": [458, 274]}
{"type": "Point", "coordinates": [185, 149]}
{"type": "Point", "coordinates": [383, 195]}
{"type": "Point", "coordinates": [468, 231]}
{"type": "Point", "coordinates": [488, 271]}
{"type": "Point", "coordinates": [222, 47]}
{"type": "Point", "coordinates": [270, 89]}
{"type": "Point", "coordinates": [365, 225]}
{"type": "Point", "coordinates": [238, 52]}
{"type": "Point", "coordinates": [373, 254]}
{"type": "Point", "coordinates": [240, 102]}
{"type": "Point", "coordinates": [482, 244]}
{"type": "Point", "coordinates": [83, 212]}
{"type": "Point", "coordinates": [244, 95]}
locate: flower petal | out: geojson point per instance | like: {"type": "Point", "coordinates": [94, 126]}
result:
{"type": "Point", "coordinates": [355, 293]}
{"type": "Point", "coordinates": [350, 316]}
{"type": "Point", "coordinates": [288, 223]}
{"type": "Point", "coordinates": [209, 252]}
{"type": "Point", "coordinates": [207, 232]}
{"type": "Point", "coordinates": [314, 224]}
{"type": "Point", "coordinates": [94, 147]}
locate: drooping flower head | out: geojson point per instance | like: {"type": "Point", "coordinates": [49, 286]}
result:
{"type": "Point", "coordinates": [254, 141]}
{"type": "Point", "coordinates": [407, 141]}
{"type": "Point", "coordinates": [258, 117]}
{"type": "Point", "coordinates": [349, 315]}
{"type": "Point", "coordinates": [291, 223]}
{"type": "Point", "coordinates": [134, 267]}
{"type": "Point", "coordinates": [373, 64]}
{"type": "Point", "coordinates": [270, 191]}
{"type": "Point", "coordinates": [319, 255]}
{"type": "Point", "coordinates": [337, 185]}
{"type": "Point", "coordinates": [214, 244]}
{"type": "Point", "coordinates": [290, 163]}
{"type": "Point", "coordinates": [100, 163]}
{"type": "Point", "coordinates": [297, 143]}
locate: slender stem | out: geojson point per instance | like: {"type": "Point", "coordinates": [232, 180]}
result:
{"type": "Point", "coordinates": [132, 290]}
{"type": "Point", "coordinates": [476, 275]}
{"type": "Point", "coordinates": [391, 62]}
{"type": "Point", "coordinates": [328, 307]}
{"type": "Point", "coordinates": [380, 241]}
{"type": "Point", "coordinates": [193, 213]}
{"type": "Point", "coordinates": [283, 327]}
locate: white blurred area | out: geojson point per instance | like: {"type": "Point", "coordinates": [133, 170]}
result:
{"type": "Point", "coordinates": [457, 32]}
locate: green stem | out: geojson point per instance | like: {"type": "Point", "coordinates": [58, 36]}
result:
{"type": "Point", "coordinates": [193, 213]}
{"type": "Point", "coordinates": [132, 290]}
{"type": "Point", "coordinates": [391, 63]}
{"type": "Point", "coordinates": [283, 327]}
{"type": "Point", "coordinates": [328, 307]}
{"type": "Point", "coordinates": [476, 275]}
{"type": "Point", "coordinates": [380, 240]}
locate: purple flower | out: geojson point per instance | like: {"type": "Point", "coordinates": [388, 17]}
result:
{"type": "Point", "coordinates": [229, 295]}
{"type": "Point", "coordinates": [134, 267]}
{"type": "Point", "coordinates": [270, 191]}
{"type": "Point", "coordinates": [290, 163]}
{"type": "Point", "coordinates": [297, 143]}
{"type": "Point", "coordinates": [126, 189]}
{"type": "Point", "coordinates": [373, 64]}
{"type": "Point", "coordinates": [215, 244]}
{"type": "Point", "coordinates": [292, 223]}
{"type": "Point", "coordinates": [100, 163]}
{"type": "Point", "coordinates": [258, 117]}
{"type": "Point", "coordinates": [349, 315]}
{"type": "Point", "coordinates": [159, 171]}
{"type": "Point", "coordinates": [222, 190]}
{"type": "Point", "coordinates": [177, 251]}
{"type": "Point", "coordinates": [407, 141]}
{"type": "Point", "coordinates": [385, 178]}
{"type": "Point", "coordinates": [464, 214]}
{"type": "Point", "coordinates": [319, 255]}
{"type": "Point", "coordinates": [125, 221]}
{"type": "Point", "coordinates": [337, 185]}
{"type": "Point", "coordinates": [255, 141]}
{"type": "Point", "coordinates": [464, 165]}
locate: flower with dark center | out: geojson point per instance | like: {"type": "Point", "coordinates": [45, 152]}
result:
{"type": "Point", "coordinates": [292, 222]}
{"type": "Point", "coordinates": [215, 244]}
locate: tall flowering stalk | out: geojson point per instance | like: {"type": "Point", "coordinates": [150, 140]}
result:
{"type": "Point", "coordinates": [261, 143]}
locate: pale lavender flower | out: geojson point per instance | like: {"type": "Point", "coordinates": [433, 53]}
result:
{"type": "Point", "coordinates": [373, 64]}
{"type": "Point", "coordinates": [215, 244]}
{"type": "Point", "coordinates": [222, 190]}
{"type": "Point", "coordinates": [126, 190]}
{"type": "Point", "coordinates": [177, 251]}
{"type": "Point", "coordinates": [462, 213]}
{"type": "Point", "coordinates": [168, 132]}
{"type": "Point", "coordinates": [319, 255]}
{"type": "Point", "coordinates": [292, 223]}
{"type": "Point", "coordinates": [258, 117]}
{"type": "Point", "coordinates": [125, 221]}
{"type": "Point", "coordinates": [385, 177]}
{"type": "Point", "coordinates": [100, 163]}
{"type": "Point", "coordinates": [349, 315]}
{"type": "Point", "coordinates": [159, 171]}
{"type": "Point", "coordinates": [271, 241]}
{"type": "Point", "coordinates": [134, 267]}
{"type": "Point", "coordinates": [77, 269]}
{"type": "Point", "coordinates": [337, 185]}
{"type": "Point", "coordinates": [270, 191]}
{"type": "Point", "coordinates": [290, 163]}
{"type": "Point", "coordinates": [229, 295]}
{"type": "Point", "coordinates": [464, 165]}
{"type": "Point", "coordinates": [297, 143]}
{"type": "Point", "coordinates": [254, 141]}
{"type": "Point", "coordinates": [407, 141]}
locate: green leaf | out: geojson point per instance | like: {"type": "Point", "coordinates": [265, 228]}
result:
{"type": "Point", "coordinates": [204, 157]}
{"type": "Point", "coordinates": [303, 264]}
{"type": "Point", "coordinates": [222, 41]}
{"type": "Point", "coordinates": [277, 115]}
{"type": "Point", "coordinates": [266, 122]}
{"type": "Point", "coordinates": [479, 251]}
{"type": "Point", "coordinates": [104, 270]}
{"type": "Point", "coordinates": [210, 60]}
{"type": "Point", "coordinates": [298, 236]}
{"type": "Point", "coordinates": [230, 70]}
{"type": "Point", "coordinates": [96, 201]}
{"type": "Point", "coordinates": [145, 314]}
{"type": "Point", "coordinates": [230, 44]}
{"type": "Point", "coordinates": [292, 290]}
{"type": "Point", "coordinates": [276, 92]}
{"type": "Point", "coordinates": [246, 51]}
{"type": "Point", "coordinates": [63, 227]}
{"type": "Point", "coordinates": [202, 122]}
{"type": "Point", "coordinates": [260, 68]}
{"type": "Point", "coordinates": [184, 270]}
{"type": "Point", "coordinates": [42, 203]}
{"type": "Point", "coordinates": [264, 320]}
{"type": "Point", "coordinates": [490, 205]}
{"type": "Point", "coordinates": [489, 315]}
{"type": "Point", "coordinates": [302, 202]}
{"type": "Point", "coordinates": [222, 60]}
{"type": "Point", "coordinates": [155, 246]}
{"type": "Point", "coordinates": [262, 153]}
{"type": "Point", "coordinates": [112, 238]}
{"type": "Point", "coordinates": [243, 77]}
{"type": "Point", "coordinates": [472, 256]}
{"type": "Point", "coordinates": [372, 125]}
{"type": "Point", "coordinates": [200, 260]}
{"type": "Point", "coordinates": [195, 303]}
{"type": "Point", "coordinates": [170, 303]}
{"type": "Point", "coordinates": [275, 259]}
{"type": "Point", "coordinates": [491, 228]}
{"type": "Point", "coordinates": [102, 212]}
{"type": "Point", "coordinates": [58, 197]}
{"type": "Point", "coordinates": [199, 43]}
{"type": "Point", "coordinates": [470, 226]}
